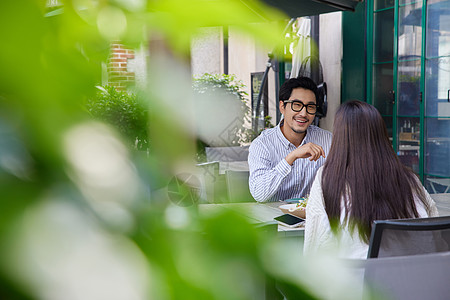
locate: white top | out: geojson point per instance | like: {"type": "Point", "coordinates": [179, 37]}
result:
{"type": "Point", "coordinates": [318, 235]}
{"type": "Point", "coordinates": [271, 177]}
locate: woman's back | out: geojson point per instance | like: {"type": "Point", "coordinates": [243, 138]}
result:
{"type": "Point", "coordinates": [362, 179]}
{"type": "Point", "coordinates": [344, 242]}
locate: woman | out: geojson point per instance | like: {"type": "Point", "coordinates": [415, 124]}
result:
{"type": "Point", "coordinates": [361, 181]}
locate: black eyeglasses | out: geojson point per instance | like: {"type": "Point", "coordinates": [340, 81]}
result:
{"type": "Point", "coordinates": [297, 106]}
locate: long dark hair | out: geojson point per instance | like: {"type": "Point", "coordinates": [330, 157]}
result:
{"type": "Point", "coordinates": [363, 174]}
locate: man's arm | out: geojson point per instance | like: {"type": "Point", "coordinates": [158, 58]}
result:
{"type": "Point", "coordinates": [265, 180]}
{"type": "Point", "coordinates": [309, 150]}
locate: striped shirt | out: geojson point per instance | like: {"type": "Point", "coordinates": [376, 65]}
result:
{"type": "Point", "coordinates": [271, 177]}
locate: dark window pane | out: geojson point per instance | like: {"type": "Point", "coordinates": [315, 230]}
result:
{"type": "Point", "coordinates": [388, 122]}
{"type": "Point", "coordinates": [382, 86]}
{"type": "Point", "coordinates": [437, 184]}
{"type": "Point", "coordinates": [383, 36]}
{"type": "Point", "coordinates": [380, 4]}
{"type": "Point", "coordinates": [409, 142]}
{"type": "Point", "coordinates": [437, 150]}
{"type": "Point", "coordinates": [408, 88]}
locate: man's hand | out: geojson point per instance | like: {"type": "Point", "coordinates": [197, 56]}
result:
{"type": "Point", "coordinates": [309, 150]}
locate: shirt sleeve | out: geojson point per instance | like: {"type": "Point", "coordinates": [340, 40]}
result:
{"type": "Point", "coordinates": [265, 180]}
{"type": "Point", "coordinates": [318, 233]}
{"type": "Point", "coordinates": [432, 209]}
{"type": "Point", "coordinates": [429, 205]}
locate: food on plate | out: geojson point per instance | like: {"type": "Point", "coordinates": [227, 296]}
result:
{"type": "Point", "coordinates": [296, 209]}
{"type": "Point", "coordinates": [300, 205]}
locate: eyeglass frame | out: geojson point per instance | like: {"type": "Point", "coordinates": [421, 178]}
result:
{"type": "Point", "coordinates": [304, 105]}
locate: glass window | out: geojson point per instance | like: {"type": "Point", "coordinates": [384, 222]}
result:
{"type": "Point", "coordinates": [408, 88]}
{"type": "Point", "coordinates": [437, 85]}
{"type": "Point", "coordinates": [410, 31]}
{"type": "Point", "coordinates": [402, 2]}
{"type": "Point", "coordinates": [408, 131]}
{"type": "Point", "coordinates": [437, 146]}
{"type": "Point", "coordinates": [382, 88]}
{"type": "Point", "coordinates": [380, 4]}
{"type": "Point", "coordinates": [438, 28]}
{"type": "Point", "coordinates": [388, 122]}
{"type": "Point", "coordinates": [437, 184]}
{"type": "Point", "coordinates": [383, 36]}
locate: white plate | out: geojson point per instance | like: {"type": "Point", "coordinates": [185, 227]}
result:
{"type": "Point", "coordinates": [298, 212]}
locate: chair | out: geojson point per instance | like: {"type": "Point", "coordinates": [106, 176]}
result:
{"type": "Point", "coordinates": [445, 182]}
{"type": "Point", "coordinates": [227, 154]}
{"type": "Point", "coordinates": [213, 184]}
{"type": "Point", "coordinates": [237, 185]}
{"type": "Point", "coordinates": [424, 276]}
{"type": "Point", "coordinates": [409, 237]}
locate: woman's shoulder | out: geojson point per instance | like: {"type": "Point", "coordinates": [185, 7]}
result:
{"type": "Point", "coordinates": [319, 174]}
{"type": "Point", "coordinates": [316, 188]}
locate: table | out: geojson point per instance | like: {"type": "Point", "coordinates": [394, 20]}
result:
{"type": "Point", "coordinates": [233, 165]}
{"type": "Point", "coordinates": [257, 213]}
{"type": "Point", "coordinates": [442, 203]}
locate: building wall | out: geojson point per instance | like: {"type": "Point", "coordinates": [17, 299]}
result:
{"type": "Point", "coordinates": [246, 56]}
{"type": "Point", "coordinates": [207, 51]}
{"type": "Point", "coordinates": [125, 67]}
{"type": "Point", "coordinates": [138, 66]}
{"type": "Point", "coordinates": [354, 54]}
{"type": "Point", "coordinates": [330, 44]}
{"type": "Point", "coordinates": [118, 73]}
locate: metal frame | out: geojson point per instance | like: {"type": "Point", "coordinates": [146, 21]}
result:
{"type": "Point", "coordinates": [423, 60]}
{"type": "Point", "coordinates": [420, 224]}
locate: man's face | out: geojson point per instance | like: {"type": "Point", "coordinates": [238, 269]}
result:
{"type": "Point", "coordinates": [298, 122]}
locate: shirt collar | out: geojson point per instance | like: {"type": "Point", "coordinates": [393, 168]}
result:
{"type": "Point", "coordinates": [285, 141]}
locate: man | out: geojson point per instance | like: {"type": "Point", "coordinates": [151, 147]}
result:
{"type": "Point", "coordinates": [283, 161]}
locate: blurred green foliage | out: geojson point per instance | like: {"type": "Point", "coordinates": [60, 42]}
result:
{"type": "Point", "coordinates": [125, 111]}
{"type": "Point", "coordinates": [84, 216]}
{"type": "Point", "coordinates": [209, 86]}
{"type": "Point", "coordinates": [251, 134]}
{"type": "Point", "coordinates": [212, 83]}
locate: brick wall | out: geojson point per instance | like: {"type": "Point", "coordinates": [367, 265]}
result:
{"type": "Point", "coordinates": [118, 74]}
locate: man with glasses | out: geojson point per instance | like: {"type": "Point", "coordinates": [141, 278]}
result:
{"type": "Point", "coordinates": [283, 161]}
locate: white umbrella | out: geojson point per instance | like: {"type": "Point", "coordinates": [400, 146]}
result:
{"type": "Point", "coordinates": [303, 48]}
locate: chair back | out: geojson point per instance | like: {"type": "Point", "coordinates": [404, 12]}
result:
{"type": "Point", "coordinates": [226, 154]}
{"type": "Point", "coordinates": [409, 237]}
{"type": "Point", "coordinates": [412, 277]}
{"type": "Point", "coordinates": [213, 185]}
{"type": "Point", "coordinates": [237, 184]}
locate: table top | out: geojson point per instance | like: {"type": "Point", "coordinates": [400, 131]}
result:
{"type": "Point", "coordinates": [442, 203]}
{"type": "Point", "coordinates": [257, 213]}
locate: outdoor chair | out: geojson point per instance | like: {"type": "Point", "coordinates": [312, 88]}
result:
{"type": "Point", "coordinates": [237, 185]}
{"type": "Point", "coordinates": [213, 185]}
{"type": "Point", "coordinates": [411, 277]}
{"type": "Point", "coordinates": [409, 237]}
{"type": "Point", "coordinates": [226, 154]}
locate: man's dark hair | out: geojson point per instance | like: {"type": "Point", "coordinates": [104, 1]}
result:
{"type": "Point", "coordinates": [299, 82]}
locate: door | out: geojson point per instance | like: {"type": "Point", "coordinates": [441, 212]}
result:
{"type": "Point", "coordinates": [437, 96]}
{"type": "Point", "coordinates": [409, 82]}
